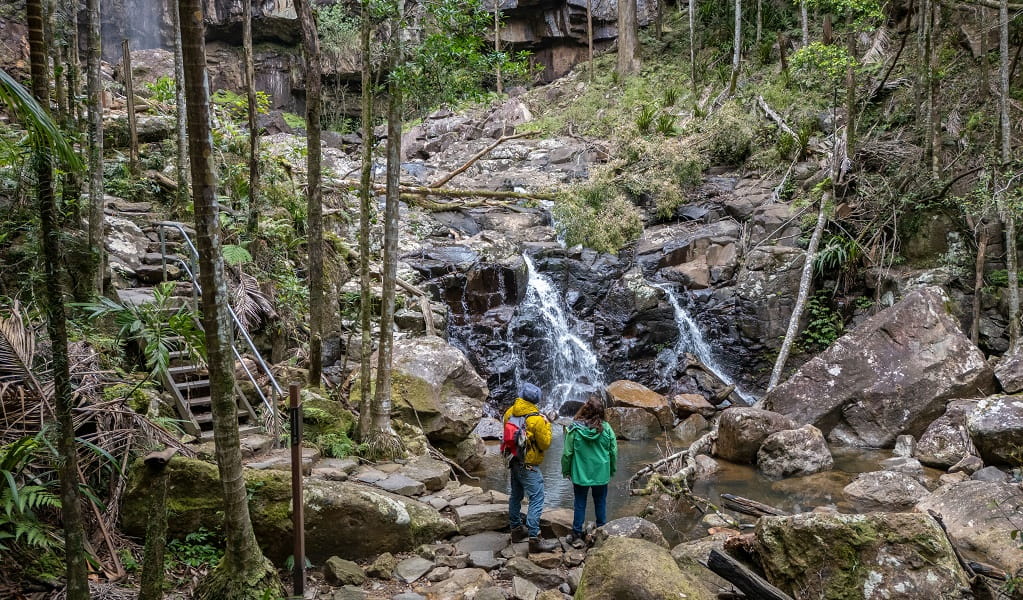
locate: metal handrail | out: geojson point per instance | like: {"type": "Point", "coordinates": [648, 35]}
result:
{"type": "Point", "coordinates": [278, 392]}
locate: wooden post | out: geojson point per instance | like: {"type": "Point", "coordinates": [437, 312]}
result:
{"type": "Point", "coordinates": [297, 503]}
{"type": "Point", "coordinates": [129, 92]}
{"type": "Point", "coordinates": [156, 530]}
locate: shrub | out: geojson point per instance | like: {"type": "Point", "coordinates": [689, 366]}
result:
{"type": "Point", "coordinates": [730, 135]}
{"type": "Point", "coordinates": [645, 118]}
{"type": "Point", "coordinates": [598, 217]}
{"type": "Point", "coordinates": [666, 124]}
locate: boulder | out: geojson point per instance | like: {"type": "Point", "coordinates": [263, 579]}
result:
{"type": "Point", "coordinates": [125, 241]}
{"type": "Point", "coordinates": [383, 566]}
{"type": "Point", "coordinates": [527, 569]}
{"type": "Point", "coordinates": [631, 527]}
{"type": "Point", "coordinates": [1010, 371]}
{"type": "Point", "coordinates": [980, 517]}
{"type": "Point", "coordinates": [434, 384]}
{"type": "Point", "coordinates": [630, 394]}
{"type": "Point", "coordinates": [633, 568]}
{"type": "Point", "coordinates": [689, 430]}
{"type": "Point", "coordinates": [885, 490]}
{"type": "Point", "coordinates": [343, 519]}
{"type": "Point", "coordinates": [946, 440]}
{"type": "Point", "coordinates": [463, 583]}
{"type": "Point", "coordinates": [889, 376]}
{"type": "Point", "coordinates": [338, 572]}
{"type": "Point", "coordinates": [412, 568]}
{"type": "Point", "coordinates": [688, 404]}
{"type": "Point", "coordinates": [909, 466]}
{"type": "Point", "coordinates": [968, 465]}
{"type": "Point", "coordinates": [691, 556]}
{"type": "Point", "coordinates": [905, 446]}
{"type": "Point", "coordinates": [433, 473]}
{"type": "Point", "coordinates": [991, 474]}
{"type": "Point", "coordinates": [996, 427]}
{"type": "Point", "coordinates": [633, 423]}
{"type": "Point", "coordinates": [477, 518]}
{"type": "Point", "coordinates": [794, 452]}
{"type": "Point", "coordinates": [875, 556]}
{"type": "Point", "coordinates": [741, 431]}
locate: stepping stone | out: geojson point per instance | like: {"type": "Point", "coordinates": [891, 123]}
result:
{"type": "Point", "coordinates": [280, 460]}
{"type": "Point", "coordinates": [439, 503]}
{"type": "Point", "coordinates": [408, 596]}
{"type": "Point", "coordinates": [349, 592]}
{"type": "Point", "coordinates": [370, 475]}
{"type": "Point", "coordinates": [484, 559]}
{"type": "Point", "coordinates": [412, 569]}
{"type": "Point", "coordinates": [477, 518]}
{"type": "Point", "coordinates": [433, 473]}
{"type": "Point", "coordinates": [338, 571]}
{"type": "Point", "coordinates": [523, 589]}
{"type": "Point", "coordinates": [401, 485]}
{"type": "Point", "coordinates": [490, 541]}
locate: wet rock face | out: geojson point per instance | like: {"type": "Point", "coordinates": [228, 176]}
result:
{"type": "Point", "coordinates": [996, 427]}
{"type": "Point", "coordinates": [889, 376]}
{"type": "Point", "coordinates": [741, 431]}
{"type": "Point", "coordinates": [792, 452]}
{"type": "Point", "coordinates": [875, 556]}
{"type": "Point", "coordinates": [946, 440]}
{"type": "Point", "coordinates": [885, 490]}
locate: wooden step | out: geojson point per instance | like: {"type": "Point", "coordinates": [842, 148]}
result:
{"type": "Point", "coordinates": [191, 385]}
{"type": "Point", "coordinates": [203, 401]}
{"type": "Point", "coordinates": [203, 419]}
{"type": "Point", "coordinates": [184, 370]}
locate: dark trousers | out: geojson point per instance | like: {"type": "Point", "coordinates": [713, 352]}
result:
{"type": "Point", "coordinates": [599, 505]}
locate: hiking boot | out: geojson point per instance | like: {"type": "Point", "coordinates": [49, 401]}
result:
{"type": "Point", "coordinates": [519, 534]}
{"type": "Point", "coordinates": [538, 545]}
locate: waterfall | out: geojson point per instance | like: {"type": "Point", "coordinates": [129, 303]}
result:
{"type": "Point", "coordinates": [557, 359]}
{"type": "Point", "coordinates": [690, 339]}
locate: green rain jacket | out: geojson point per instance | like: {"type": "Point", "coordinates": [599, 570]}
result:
{"type": "Point", "coordinates": [591, 456]}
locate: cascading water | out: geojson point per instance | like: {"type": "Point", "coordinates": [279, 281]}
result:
{"type": "Point", "coordinates": [690, 339]}
{"type": "Point", "coordinates": [556, 357]}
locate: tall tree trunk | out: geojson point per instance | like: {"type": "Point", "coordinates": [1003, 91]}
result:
{"type": "Point", "coordinates": [129, 92]}
{"type": "Point", "coordinates": [804, 21]}
{"type": "Point", "coordinates": [736, 48]}
{"type": "Point", "coordinates": [56, 323]}
{"type": "Point", "coordinates": [692, 47]}
{"type": "Point", "coordinates": [250, 89]}
{"type": "Point", "coordinates": [95, 111]}
{"type": "Point", "coordinates": [74, 67]}
{"type": "Point", "coordinates": [314, 233]}
{"type": "Point", "coordinates": [243, 572]}
{"type": "Point", "coordinates": [927, 24]}
{"type": "Point", "coordinates": [365, 194]}
{"type": "Point", "coordinates": [826, 34]}
{"type": "Point", "coordinates": [850, 96]}
{"type": "Point", "coordinates": [497, 41]}
{"type": "Point", "coordinates": [181, 165]}
{"type": "Point", "coordinates": [760, 20]}
{"type": "Point", "coordinates": [659, 21]}
{"type": "Point", "coordinates": [978, 281]}
{"type": "Point", "coordinates": [383, 442]}
{"type": "Point", "coordinates": [934, 120]}
{"type": "Point", "coordinates": [628, 39]}
{"type": "Point", "coordinates": [1008, 213]}
{"type": "Point", "coordinates": [805, 282]}
{"type": "Point", "coordinates": [54, 31]}
{"type": "Point", "coordinates": [589, 36]}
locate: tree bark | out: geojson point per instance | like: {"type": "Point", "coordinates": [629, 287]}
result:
{"type": "Point", "coordinates": [181, 169]}
{"type": "Point", "coordinates": [55, 30]}
{"type": "Point", "coordinates": [74, 67]}
{"type": "Point", "coordinates": [252, 224]}
{"type": "Point", "coordinates": [243, 572]}
{"type": "Point", "coordinates": [978, 281]}
{"type": "Point", "coordinates": [850, 95]}
{"type": "Point", "coordinates": [692, 47]}
{"type": "Point", "coordinates": [151, 585]}
{"type": "Point", "coordinates": [314, 233]}
{"type": "Point", "coordinates": [95, 117]}
{"type": "Point", "coordinates": [628, 39]}
{"type": "Point", "coordinates": [365, 194]}
{"type": "Point", "coordinates": [497, 41]}
{"type": "Point", "coordinates": [129, 92]}
{"type": "Point", "coordinates": [56, 323]}
{"type": "Point", "coordinates": [589, 37]}
{"type": "Point", "coordinates": [804, 21]}
{"type": "Point", "coordinates": [1008, 214]}
{"type": "Point", "coordinates": [826, 33]}
{"type": "Point", "coordinates": [736, 48]}
{"type": "Point", "coordinates": [760, 20]}
{"type": "Point", "coordinates": [805, 282]}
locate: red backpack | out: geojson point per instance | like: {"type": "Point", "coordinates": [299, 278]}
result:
{"type": "Point", "coordinates": [515, 442]}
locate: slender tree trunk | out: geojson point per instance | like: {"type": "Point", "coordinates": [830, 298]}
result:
{"type": "Point", "coordinates": [934, 120]}
{"type": "Point", "coordinates": [589, 36]}
{"type": "Point", "coordinates": [628, 39]}
{"type": "Point", "coordinates": [826, 33]}
{"type": "Point", "coordinates": [978, 281]}
{"type": "Point", "coordinates": [54, 31]}
{"type": "Point", "coordinates": [382, 440]}
{"type": "Point", "coordinates": [153, 569]}
{"type": "Point", "coordinates": [927, 23]}
{"type": "Point", "coordinates": [497, 41]}
{"type": "Point", "coordinates": [805, 23]}
{"type": "Point", "coordinates": [760, 20]}
{"type": "Point", "coordinates": [95, 112]}
{"type": "Point", "coordinates": [129, 92]}
{"type": "Point", "coordinates": [1008, 213]}
{"type": "Point", "coordinates": [736, 48]}
{"type": "Point", "coordinates": [243, 572]}
{"type": "Point", "coordinates": [182, 169]}
{"type": "Point", "coordinates": [56, 324]}
{"type": "Point", "coordinates": [781, 52]}
{"type": "Point", "coordinates": [314, 85]}
{"type": "Point", "coordinates": [74, 67]}
{"type": "Point", "coordinates": [252, 226]}
{"type": "Point", "coordinates": [659, 21]}
{"type": "Point", "coordinates": [804, 292]}
{"type": "Point", "coordinates": [692, 47]}
{"type": "Point", "coordinates": [365, 194]}
{"type": "Point", "coordinates": [850, 96]}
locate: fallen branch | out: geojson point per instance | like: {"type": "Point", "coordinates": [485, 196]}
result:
{"type": "Point", "coordinates": [775, 117]}
{"type": "Point", "coordinates": [989, 571]}
{"type": "Point", "coordinates": [678, 484]}
{"type": "Point", "coordinates": [959, 557]}
{"type": "Point", "coordinates": [351, 184]}
{"type": "Point", "coordinates": [751, 584]}
{"type": "Point", "coordinates": [751, 507]}
{"type": "Point", "coordinates": [652, 467]}
{"type": "Point", "coordinates": [478, 156]}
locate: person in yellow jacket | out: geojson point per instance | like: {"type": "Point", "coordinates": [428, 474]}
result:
{"type": "Point", "coordinates": [525, 475]}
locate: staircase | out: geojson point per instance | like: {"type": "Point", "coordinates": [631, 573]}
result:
{"type": "Point", "coordinates": [186, 378]}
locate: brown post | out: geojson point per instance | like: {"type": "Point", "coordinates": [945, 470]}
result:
{"type": "Point", "coordinates": [129, 92]}
{"type": "Point", "coordinates": [156, 530]}
{"type": "Point", "coordinates": [298, 523]}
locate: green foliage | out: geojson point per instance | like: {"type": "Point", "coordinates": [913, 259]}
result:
{"type": "Point", "coordinates": [163, 89]}
{"type": "Point", "coordinates": [825, 325]}
{"type": "Point", "coordinates": [671, 95]}
{"type": "Point", "coordinates": [665, 124]}
{"type": "Point", "coordinates": [597, 216]}
{"type": "Point", "coordinates": [645, 118]}
{"type": "Point", "coordinates": [43, 132]}
{"type": "Point", "coordinates": [198, 549]}
{"type": "Point", "coordinates": [835, 253]}
{"type": "Point", "coordinates": [860, 11]}
{"type": "Point", "coordinates": [21, 502]}
{"type": "Point", "coordinates": [338, 445]}
{"type": "Point", "coordinates": [156, 326]}
{"type": "Point", "coordinates": [236, 106]}
{"type": "Point", "coordinates": [819, 64]}
{"type": "Point", "coordinates": [730, 135]}
{"type": "Point", "coordinates": [999, 278]}
{"type": "Point", "coordinates": [236, 255]}
{"type": "Point", "coordinates": [294, 121]}
{"type": "Point", "coordinates": [338, 30]}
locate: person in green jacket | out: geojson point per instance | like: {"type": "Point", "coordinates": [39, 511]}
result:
{"type": "Point", "coordinates": [589, 461]}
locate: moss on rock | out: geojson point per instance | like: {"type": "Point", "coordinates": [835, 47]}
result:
{"type": "Point", "coordinates": [633, 568]}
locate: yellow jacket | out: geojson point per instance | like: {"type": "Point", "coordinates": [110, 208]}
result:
{"type": "Point", "coordinates": [538, 429]}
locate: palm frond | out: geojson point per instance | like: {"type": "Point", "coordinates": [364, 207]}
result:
{"type": "Point", "coordinates": [880, 48]}
{"type": "Point", "coordinates": [249, 302]}
{"type": "Point", "coordinates": [35, 118]}
{"type": "Point", "coordinates": [17, 355]}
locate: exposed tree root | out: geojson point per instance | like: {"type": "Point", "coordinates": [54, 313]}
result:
{"type": "Point", "coordinates": [240, 582]}
{"type": "Point", "coordinates": [384, 445]}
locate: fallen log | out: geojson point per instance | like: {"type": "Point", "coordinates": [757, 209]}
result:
{"type": "Point", "coordinates": [751, 507]}
{"type": "Point", "coordinates": [416, 190]}
{"type": "Point", "coordinates": [962, 561]}
{"type": "Point", "coordinates": [751, 584]}
{"type": "Point", "coordinates": [478, 156]}
{"type": "Point", "coordinates": [775, 117]}
{"type": "Point", "coordinates": [987, 570]}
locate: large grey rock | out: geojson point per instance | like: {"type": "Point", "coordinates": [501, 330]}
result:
{"type": "Point", "coordinates": [463, 583]}
{"type": "Point", "coordinates": [1010, 371]}
{"type": "Point", "coordinates": [338, 571]}
{"type": "Point", "coordinates": [633, 568]}
{"type": "Point", "coordinates": [979, 516]}
{"type": "Point", "coordinates": [433, 473]}
{"type": "Point", "coordinates": [946, 440]}
{"type": "Point", "coordinates": [879, 556]}
{"type": "Point", "coordinates": [631, 527]}
{"type": "Point", "coordinates": [741, 431]}
{"type": "Point", "coordinates": [794, 452]}
{"type": "Point", "coordinates": [525, 568]}
{"type": "Point", "coordinates": [491, 541]}
{"type": "Point", "coordinates": [412, 568]}
{"type": "Point", "coordinates": [633, 423]}
{"type": "Point", "coordinates": [691, 556]}
{"type": "Point", "coordinates": [885, 490]}
{"type": "Point", "coordinates": [125, 240]}
{"type": "Point", "coordinates": [434, 384]}
{"type": "Point", "coordinates": [891, 375]}
{"type": "Point", "coordinates": [401, 485]}
{"type": "Point", "coordinates": [996, 427]}
{"type": "Point", "coordinates": [477, 518]}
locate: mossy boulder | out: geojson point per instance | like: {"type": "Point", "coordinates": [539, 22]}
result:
{"type": "Point", "coordinates": [634, 569]}
{"type": "Point", "coordinates": [863, 557]}
{"type": "Point", "coordinates": [321, 415]}
{"type": "Point", "coordinates": [435, 386]}
{"type": "Point", "coordinates": [341, 518]}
